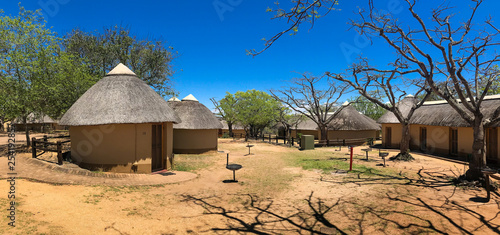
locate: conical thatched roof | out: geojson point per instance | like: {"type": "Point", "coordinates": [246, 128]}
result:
{"type": "Point", "coordinates": [404, 106]}
{"type": "Point", "coordinates": [120, 97]}
{"type": "Point", "coordinates": [194, 115]}
{"type": "Point", "coordinates": [349, 119]}
{"type": "Point", "coordinates": [190, 97]}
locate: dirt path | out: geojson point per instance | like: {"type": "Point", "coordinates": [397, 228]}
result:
{"type": "Point", "coordinates": [34, 169]}
{"type": "Point", "coordinates": [272, 196]}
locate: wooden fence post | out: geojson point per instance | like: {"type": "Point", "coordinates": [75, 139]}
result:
{"type": "Point", "coordinates": [292, 141]}
{"type": "Point", "coordinates": [59, 153]}
{"type": "Point", "coordinates": [276, 137]}
{"type": "Point", "coordinates": [269, 138]}
{"type": "Point", "coordinates": [33, 147]}
{"type": "Point", "coordinates": [45, 139]}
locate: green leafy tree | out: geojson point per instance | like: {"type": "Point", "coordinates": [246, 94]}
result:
{"type": "Point", "coordinates": [151, 60]}
{"type": "Point", "coordinates": [68, 81]}
{"type": "Point", "coordinates": [366, 107]}
{"type": "Point", "coordinates": [226, 108]}
{"type": "Point", "coordinates": [28, 53]}
{"type": "Point", "coordinates": [256, 110]}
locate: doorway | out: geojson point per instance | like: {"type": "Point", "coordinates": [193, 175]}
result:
{"type": "Point", "coordinates": [388, 137]}
{"type": "Point", "coordinates": [453, 141]}
{"type": "Point", "coordinates": [492, 145]}
{"type": "Point", "coordinates": [423, 138]}
{"type": "Point", "coordinates": [156, 149]}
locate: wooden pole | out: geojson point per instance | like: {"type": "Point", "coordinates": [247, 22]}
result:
{"type": "Point", "coordinates": [45, 139]}
{"type": "Point", "coordinates": [33, 147]}
{"type": "Point", "coordinates": [59, 153]}
{"type": "Point", "coordinates": [350, 164]}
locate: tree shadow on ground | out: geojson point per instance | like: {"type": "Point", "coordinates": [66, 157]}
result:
{"type": "Point", "coordinates": [264, 217]}
{"type": "Point", "coordinates": [397, 211]}
{"type": "Point", "coordinates": [427, 178]}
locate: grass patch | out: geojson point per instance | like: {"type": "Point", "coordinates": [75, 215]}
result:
{"type": "Point", "coordinates": [193, 163]}
{"type": "Point", "coordinates": [328, 162]}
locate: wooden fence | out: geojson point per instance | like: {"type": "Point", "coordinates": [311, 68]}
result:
{"type": "Point", "coordinates": [46, 146]}
{"type": "Point", "coordinates": [275, 139]}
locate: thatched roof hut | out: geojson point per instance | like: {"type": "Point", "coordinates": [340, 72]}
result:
{"type": "Point", "coordinates": [438, 129]}
{"type": "Point", "coordinates": [235, 126]}
{"type": "Point", "coordinates": [32, 118]}
{"type": "Point", "coordinates": [438, 113]}
{"type": "Point", "coordinates": [119, 97]}
{"type": "Point", "coordinates": [348, 124]}
{"type": "Point", "coordinates": [404, 106]}
{"type": "Point", "coordinates": [198, 130]}
{"type": "Point", "coordinates": [121, 124]}
{"type": "Point", "coordinates": [35, 122]}
{"type": "Point", "coordinates": [194, 115]}
{"type": "Point", "coordinates": [238, 130]}
{"type": "Point", "coordinates": [349, 119]}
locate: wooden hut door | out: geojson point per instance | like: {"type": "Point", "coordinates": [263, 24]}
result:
{"type": "Point", "coordinates": [492, 145]}
{"type": "Point", "coordinates": [388, 137]}
{"type": "Point", "coordinates": [156, 150]}
{"type": "Point", "coordinates": [423, 138]}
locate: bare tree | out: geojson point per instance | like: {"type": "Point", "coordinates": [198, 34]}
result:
{"type": "Point", "coordinates": [466, 59]}
{"type": "Point", "coordinates": [301, 11]}
{"type": "Point", "coordinates": [304, 97]}
{"type": "Point", "coordinates": [379, 85]}
{"type": "Point", "coordinates": [459, 50]}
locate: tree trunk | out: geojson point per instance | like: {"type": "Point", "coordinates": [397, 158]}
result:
{"type": "Point", "coordinates": [27, 131]}
{"type": "Point", "coordinates": [478, 160]}
{"type": "Point", "coordinates": [404, 145]}
{"type": "Point", "coordinates": [324, 133]}
{"type": "Point", "coordinates": [230, 127]}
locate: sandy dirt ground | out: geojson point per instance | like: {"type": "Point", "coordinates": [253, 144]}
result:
{"type": "Point", "coordinates": [273, 196]}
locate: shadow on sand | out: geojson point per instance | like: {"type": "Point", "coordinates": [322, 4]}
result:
{"type": "Point", "coordinates": [397, 211]}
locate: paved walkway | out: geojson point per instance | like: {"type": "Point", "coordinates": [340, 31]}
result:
{"type": "Point", "coordinates": [28, 168]}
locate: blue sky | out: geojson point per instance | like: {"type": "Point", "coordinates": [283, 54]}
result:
{"type": "Point", "coordinates": [211, 44]}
